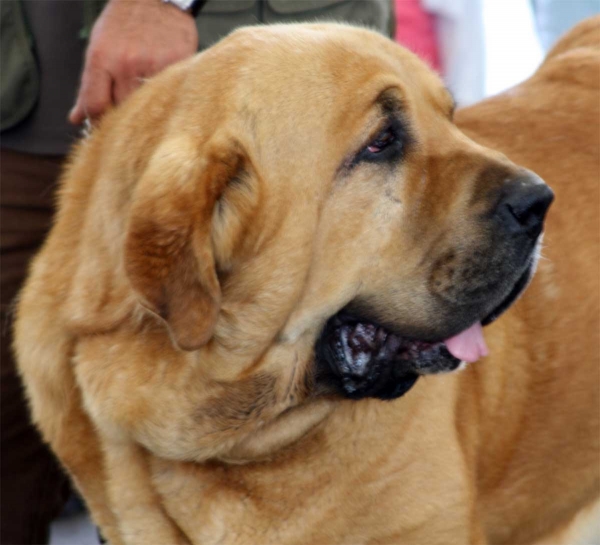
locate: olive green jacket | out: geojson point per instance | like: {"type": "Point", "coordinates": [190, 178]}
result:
{"type": "Point", "coordinates": [19, 76]}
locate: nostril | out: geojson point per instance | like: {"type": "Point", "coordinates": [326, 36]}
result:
{"type": "Point", "coordinates": [528, 213]}
{"type": "Point", "coordinates": [524, 207]}
{"type": "Point", "coordinates": [513, 218]}
{"type": "Point", "coordinates": [517, 214]}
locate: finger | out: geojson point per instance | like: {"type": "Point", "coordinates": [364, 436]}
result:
{"type": "Point", "coordinates": [76, 115]}
{"type": "Point", "coordinates": [95, 95]}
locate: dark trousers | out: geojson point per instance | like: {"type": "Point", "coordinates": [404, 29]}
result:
{"type": "Point", "coordinates": [33, 486]}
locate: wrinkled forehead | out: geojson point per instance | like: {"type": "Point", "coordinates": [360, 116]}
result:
{"type": "Point", "coordinates": [326, 68]}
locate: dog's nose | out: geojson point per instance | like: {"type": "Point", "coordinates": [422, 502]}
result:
{"type": "Point", "coordinates": [524, 204]}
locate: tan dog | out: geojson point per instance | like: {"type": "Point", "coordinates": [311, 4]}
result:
{"type": "Point", "coordinates": [266, 241]}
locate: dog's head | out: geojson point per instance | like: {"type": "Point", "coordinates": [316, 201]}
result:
{"type": "Point", "coordinates": [311, 221]}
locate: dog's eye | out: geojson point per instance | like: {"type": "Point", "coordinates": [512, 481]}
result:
{"type": "Point", "coordinates": [388, 146]}
{"type": "Point", "coordinates": [383, 141]}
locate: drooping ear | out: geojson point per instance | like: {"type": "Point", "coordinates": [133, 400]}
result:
{"type": "Point", "coordinates": [168, 252]}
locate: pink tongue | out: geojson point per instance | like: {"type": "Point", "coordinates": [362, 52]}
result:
{"type": "Point", "coordinates": [469, 345]}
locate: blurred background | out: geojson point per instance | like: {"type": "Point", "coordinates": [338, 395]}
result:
{"type": "Point", "coordinates": [512, 45]}
{"type": "Point", "coordinates": [483, 47]}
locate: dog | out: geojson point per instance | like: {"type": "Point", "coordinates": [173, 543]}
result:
{"type": "Point", "coordinates": [265, 265]}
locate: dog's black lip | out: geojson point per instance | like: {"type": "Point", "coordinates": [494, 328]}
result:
{"type": "Point", "coordinates": [513, 295]}
{"type": "Point", "coordinates": [360, 358]}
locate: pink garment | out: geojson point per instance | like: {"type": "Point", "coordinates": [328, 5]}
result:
{"type": "Point", "coordinates": [415, 30]}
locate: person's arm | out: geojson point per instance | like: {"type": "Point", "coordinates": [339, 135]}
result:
{"type": "Point", "coordinates": [131, 40]}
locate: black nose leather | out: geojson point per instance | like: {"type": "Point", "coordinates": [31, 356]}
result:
{"type": "Point", "coordinates": [523, 206]}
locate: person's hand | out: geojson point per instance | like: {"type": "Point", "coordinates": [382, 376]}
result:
{"type": "Point", "coordinates": [130, 41]}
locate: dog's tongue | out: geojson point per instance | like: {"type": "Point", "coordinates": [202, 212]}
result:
{"type": "Point", "coordinates": [469, 345]}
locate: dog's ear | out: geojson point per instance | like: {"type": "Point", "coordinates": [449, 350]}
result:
{"type": "Point", "coordinates": [168, 250]}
